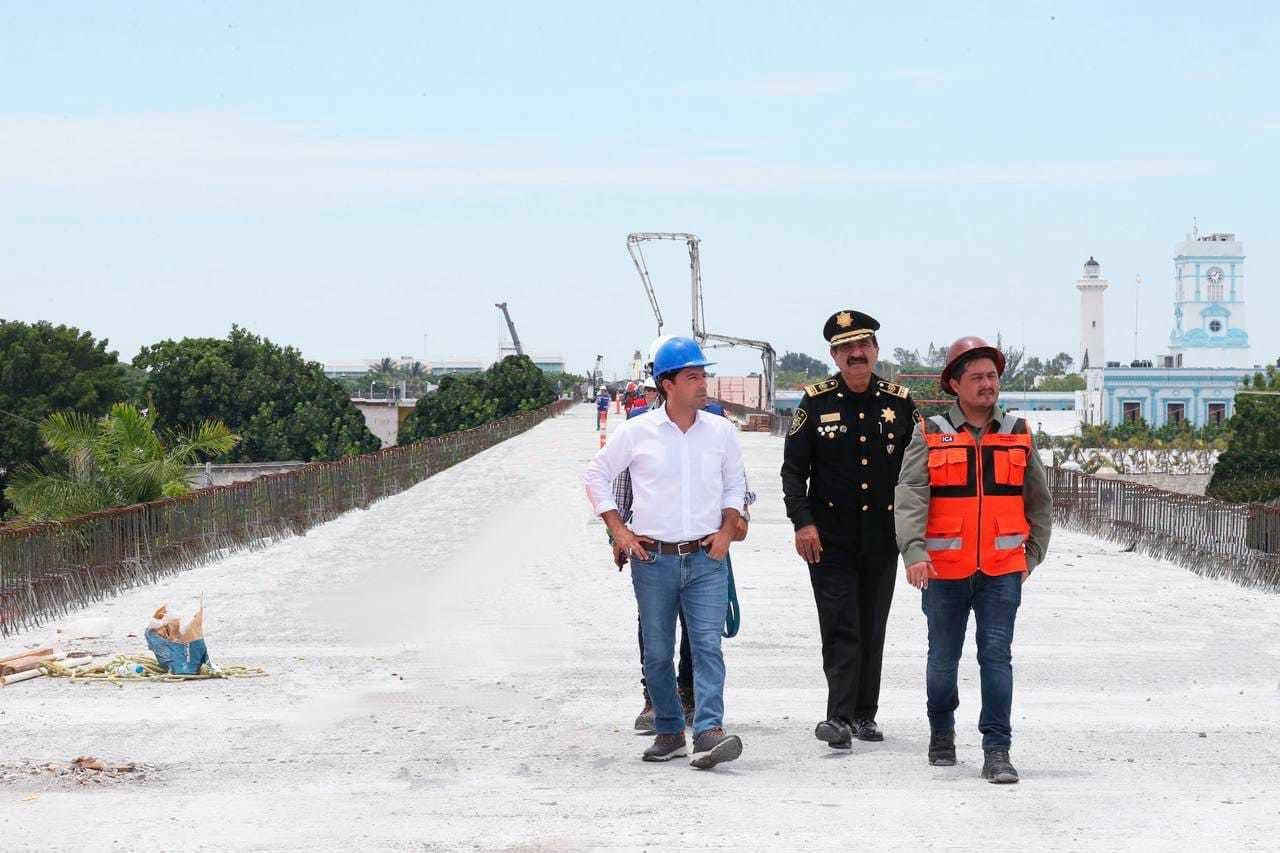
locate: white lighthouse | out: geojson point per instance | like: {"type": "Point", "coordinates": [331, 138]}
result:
{"type": "Point", "coordinates": [1091, 286]}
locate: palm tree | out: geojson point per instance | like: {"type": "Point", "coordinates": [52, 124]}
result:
{"type": "Point", "coordinates": [416, 373]}
{"type": "Point", "coordinates": [386, 366]}
{"type": "Point", "coordinates": [115, 460]}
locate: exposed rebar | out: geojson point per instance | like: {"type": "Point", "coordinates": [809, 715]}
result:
{"type": "Point", "coordinates": [49, 569]}
{"type": "Point", "coordinates": [1212, 538]}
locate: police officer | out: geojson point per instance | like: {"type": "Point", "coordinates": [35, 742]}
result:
{"type": "Point", "coordinates": [843, 451]}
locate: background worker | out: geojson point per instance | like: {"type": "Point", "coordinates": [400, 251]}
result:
{"type": "Point", "coordinates": [684, 518]}
{"type": "Point", "coordinates": [840, 466]}
{"type": "Point", "coordinates": [974, 515]}
{"type": "Point", "coordinates": [602, 407]}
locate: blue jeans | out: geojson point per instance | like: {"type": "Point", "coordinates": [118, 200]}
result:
{"type": "Point", "coordinates": [698, 586]}
{"type": "Point", "coordinates": [994, 602]}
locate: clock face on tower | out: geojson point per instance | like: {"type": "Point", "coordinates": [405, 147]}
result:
{"type": "Point", "coordinates": [1215, 274]}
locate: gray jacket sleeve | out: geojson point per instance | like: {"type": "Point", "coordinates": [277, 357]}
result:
{"type": "Point", "coordinates": [911, 500]}
{"type": "Point", "coordinates": [1038, 503]}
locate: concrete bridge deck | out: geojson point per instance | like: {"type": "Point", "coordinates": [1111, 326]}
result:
{"type": "Point", "coordinates": [456, 667]}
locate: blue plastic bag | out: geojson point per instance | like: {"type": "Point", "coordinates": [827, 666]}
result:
{"type": "Point", "coordinates": [178, 658]}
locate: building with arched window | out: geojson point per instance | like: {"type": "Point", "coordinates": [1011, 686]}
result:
{"type": "Point", "coordinates": [1208, 355]}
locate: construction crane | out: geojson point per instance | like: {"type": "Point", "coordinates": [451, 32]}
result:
{"type": "Point", "coordinates": [515, 339]}
{"type": "Point", "coordinates": [768, 356]}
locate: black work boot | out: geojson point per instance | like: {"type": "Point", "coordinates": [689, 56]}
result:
{"type": "Point", "coordinates": [646, 723]}
{"type": "Point", "coordinates": [835, 733]}
{"type": "Point", "coordinates": [996, 768]}
{"type": "Point", "coordinates": [942, 749]}
{"type": "Point", "coordinates": [686, 700]}
{"type": "Point", "coordinates": [867, 730]}
{"type": "Point", "coordinates": [666, 747]}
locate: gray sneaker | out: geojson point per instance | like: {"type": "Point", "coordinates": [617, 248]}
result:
{"type": "Point", "coordinates": [666, 747]}
{"type": "Point", "coordinates": [713, 747]}
{"type": "Point", "coordinates": [996, 768]}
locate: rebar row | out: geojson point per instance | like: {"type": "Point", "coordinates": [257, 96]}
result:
{"type": "Point", "coordinates": [1239, 541]}
{"type": "Point", "coordinates": [49, 569]}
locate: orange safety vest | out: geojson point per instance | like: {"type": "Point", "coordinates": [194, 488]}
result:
{"type": "Point", "coordinates": [977, 521]}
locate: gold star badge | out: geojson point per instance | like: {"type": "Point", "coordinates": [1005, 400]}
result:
{"type": "Point", "coordinates": [844, 319]}
{"type": "Point", "coordinates": [888, 415]}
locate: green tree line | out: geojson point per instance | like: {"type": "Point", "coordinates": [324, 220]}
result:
{"type": "Point", "coordinates": [281, 406]}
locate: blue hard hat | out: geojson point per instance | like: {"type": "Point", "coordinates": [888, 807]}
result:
{"type": "Point", "coordinates": [677, 354]}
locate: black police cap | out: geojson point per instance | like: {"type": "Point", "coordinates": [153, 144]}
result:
{"type": "Point", "coordinates": [849, 325]}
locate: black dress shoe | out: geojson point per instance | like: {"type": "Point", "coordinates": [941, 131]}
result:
{"type": "Point", "coordinates": [996, 768]}
{"type": "Point", "coordinates": [867, 730]}
{"type": "Point", "coordinates": [835, 733]}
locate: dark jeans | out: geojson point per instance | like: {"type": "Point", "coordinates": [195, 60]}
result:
{"type": "Point", "coordinates": [853, 592]}
{"type": "Point", "coordinates": [994, 602]}
{"type": "Point", "coordinates": [684, 676]}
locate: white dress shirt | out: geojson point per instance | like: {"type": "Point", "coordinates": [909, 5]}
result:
{"type": "Point", "coordinates": [682, 481]}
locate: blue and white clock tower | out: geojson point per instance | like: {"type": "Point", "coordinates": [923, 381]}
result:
{"type": "Point", "coordinates": [1209, 328]}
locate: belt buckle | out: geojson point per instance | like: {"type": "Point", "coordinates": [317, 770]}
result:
{"type": "Point", "coordinates": [680, 551]}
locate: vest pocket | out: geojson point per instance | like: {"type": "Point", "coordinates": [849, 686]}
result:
{"type": "Point", "coordinates": [944, 539]}
{"type": "Point", "coordinates": [957, 466]}
{"type": "Point", "coordinates": [1011, 533]}
{"type": "Point", "coordinates": [937, 467]}
{"type": "Point", "coordinates": [1011, 466]}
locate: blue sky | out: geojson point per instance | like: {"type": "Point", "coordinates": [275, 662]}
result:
{"type": "Point", "coordinates": [349, 180]}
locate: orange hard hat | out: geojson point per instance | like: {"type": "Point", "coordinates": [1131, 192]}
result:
{"type": "Point", "coordinates": [968, 345]}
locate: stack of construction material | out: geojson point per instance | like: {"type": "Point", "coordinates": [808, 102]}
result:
{"type": "Point", "coordinates": [24, 661]}
{"type": "Point", "coordinates": [758, 423]}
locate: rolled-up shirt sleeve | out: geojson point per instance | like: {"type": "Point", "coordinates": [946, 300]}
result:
{"type": "Point", "coordinates": [733, 474]}
{"type": "Point", "coordinates": [610, 461]}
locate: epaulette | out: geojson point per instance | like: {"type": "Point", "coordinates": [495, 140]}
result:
{"type": "Point", "coordinates": [896, 390]}
{"type": "Point", "coordinates": [820, 387]}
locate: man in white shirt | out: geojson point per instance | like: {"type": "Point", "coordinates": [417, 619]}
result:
{"type": "Point", "coordinates": [688, 486]}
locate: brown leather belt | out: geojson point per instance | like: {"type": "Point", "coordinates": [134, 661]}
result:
{"type": "Point", "coordinates": [683, 549]}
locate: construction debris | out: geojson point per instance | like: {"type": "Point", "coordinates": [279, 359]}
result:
{"type": "Point", "coordinates": [144, 668]}
{"type": "Point", "coordinates": [72, 662]}
{"type": "Point", "coordinates": [83, 770]}
{"type": "Point", "coordinates": [179, 648]}
{"type": "Point", "coordinates": [23, 663]}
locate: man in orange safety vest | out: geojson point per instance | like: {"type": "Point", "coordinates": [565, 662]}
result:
{"type": "Point", "coordinates": [973, 514]}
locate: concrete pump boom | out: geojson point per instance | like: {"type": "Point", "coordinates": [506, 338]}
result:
{"type": "Point", "coordinates": [637, 258]}
{"type": "Point", "coordinates": [768, 356]}
{"type": "Point", "coordinates": [515, 339]}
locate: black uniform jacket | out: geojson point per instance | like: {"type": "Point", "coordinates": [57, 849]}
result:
{"type": "Point", "coordinates": [841, 461]}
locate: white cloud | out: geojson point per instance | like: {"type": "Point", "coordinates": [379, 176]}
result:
{"type": "Point", "coordinates": [186, 159]}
